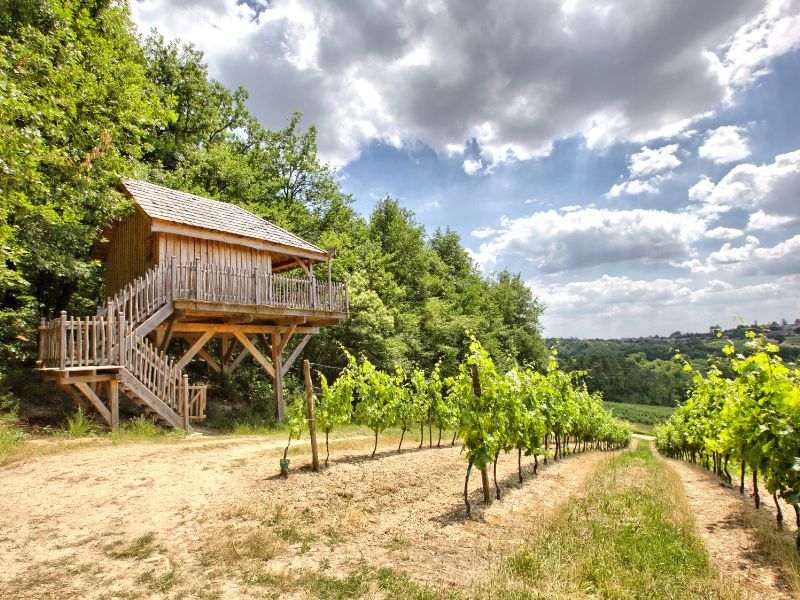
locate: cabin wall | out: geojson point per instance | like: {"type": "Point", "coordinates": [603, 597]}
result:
{"type": "Point", "coordinates": [185, 249]}
{"type": "Point", "coordinates": [130, 251]}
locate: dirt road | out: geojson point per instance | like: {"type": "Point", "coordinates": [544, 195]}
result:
{"type": "Point", "coordinates": [209, 518]}
{"type": "Point", "coordinates": [724, 521]}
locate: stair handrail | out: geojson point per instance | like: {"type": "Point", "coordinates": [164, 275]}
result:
{"type": "Point", "coordinates": [142, 296]}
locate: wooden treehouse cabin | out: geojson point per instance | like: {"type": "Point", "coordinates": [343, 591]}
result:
{"type": "Point", "coordinates": [183, 266]}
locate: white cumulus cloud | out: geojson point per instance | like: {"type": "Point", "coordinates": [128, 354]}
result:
{"type": "Point", "coordinates": [554, 241]}
{"type": "Point", "coordinates": [725, 144]}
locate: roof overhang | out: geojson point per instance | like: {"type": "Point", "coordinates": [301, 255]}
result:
{"type": "Point", "coordinates": [162, 226]}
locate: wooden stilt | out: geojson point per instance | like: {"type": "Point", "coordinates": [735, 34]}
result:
{"type": "Point", "coordinates": [312, 428]}
{"type": "Point", "coordinates": [113, 403]}
{"type": "Point", "coordinates": [277, 379]}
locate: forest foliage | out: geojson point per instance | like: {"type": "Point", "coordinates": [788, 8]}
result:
{"type": "Point", "coordinates": [84, 101]}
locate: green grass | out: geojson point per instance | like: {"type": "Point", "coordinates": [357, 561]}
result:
{"type": "Point", "coordinates": [644, 414]}
{"type": "Point", "coordinates": [11, 439]}
{"type": "Point", "coordinates": [631, 536]}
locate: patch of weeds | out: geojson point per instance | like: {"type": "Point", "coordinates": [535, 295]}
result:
{"type": "Point", "coordinates": [79, 425]}
{"type": "Point", "coordinates": [289, 532]}
{"type": "Point", "coordinates": [158, 583]}
{"type": "Point", "coordinates": [142, 428]}
{"type": "Point", "coordinates": [11, 439]}
{"type": "Point", "coordinates": [336, 588]}
{"type": "Point", "coordinates": [399, 586]}
{"type": "Point", "coordinates": [141, 548]}
{"type": "Point", "coordinates": [257, 544]}
{"type": "Point", "coordinates": [397, 543]}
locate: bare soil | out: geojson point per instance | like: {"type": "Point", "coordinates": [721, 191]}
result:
{"type": "Point", "coordinates": [724, 521]}
{"type": "Point", "coordinates": [211, 518]}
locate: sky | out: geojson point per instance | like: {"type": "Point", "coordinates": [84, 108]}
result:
{"type": "Point", "coordinates": [638, 162]}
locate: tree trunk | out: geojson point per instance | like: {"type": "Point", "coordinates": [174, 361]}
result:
{"type": "Point", "coordinates": [487, 495]}
{"type": "Point", "coordinates": [519, 463]}
{"type": "Point", "coordinates": [402, 435]}
{"type": "Point", "coordinates": [421, 433]}
{"type": "Point", "coordinates": [375, 447]}
{"type": "Point", "coordinates": [756, 497]}
{"type": "Point", "coordinates": [535, 464]}
{"type": "Point", "coordinates": [327, 448]}
{"type": "Point", "coordinates": [466, 490]}
{"type": "Point", "coordinates": [725, 471]}
{"type": "Point", "coordinates": [741, 478]}
{"type": "Point", "coordinates": [546, 446]}
{"type": "Point", "coordinates": [455, 435]}
{"type": "Point", "coordinates": [430, 435]}
{"type": "Point", "coordinates": [496, 487]}
{"type": "Point", "coordinates": [439, 441]}
{"type": "Point", "coordinates": [778, 511]}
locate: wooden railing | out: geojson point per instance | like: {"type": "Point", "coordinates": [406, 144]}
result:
{"type": "Point", "coordinates": [197, 395]}
{"type": "Point", "coordinates": [226, 285]}
{"type": "Point", "coordinates": [155, 370]}
{"type": "Point", "coordinates": [102, 341]}
{"type": "Point", "coordinates": [142, 297]}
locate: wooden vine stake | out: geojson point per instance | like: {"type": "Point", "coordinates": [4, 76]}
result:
{"type": "Point", "coordinates": [312, 427]}
{"type": "Point", "coordinates": [476, 386]}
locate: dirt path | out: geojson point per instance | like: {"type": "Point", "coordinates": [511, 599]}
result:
{"type": "Point", "coordinates": [722, 519]}
{"type": "Point", "coordinates": [210, 519]}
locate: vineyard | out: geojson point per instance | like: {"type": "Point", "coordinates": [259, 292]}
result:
{"type": "Point", "coordinates": [745, 412]}
{"type": "Point", "coordinates": [534, 414]}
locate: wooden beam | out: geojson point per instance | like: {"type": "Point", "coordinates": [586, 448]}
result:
{"type": "Point", "coordinates": [167, 335]}
{"type": "Point", "coordinates": [260, 359]}
{"type": "Point", "coordinates": [295, 353]}
{"type": "Point", "coordinates": [183, 327]}
{"type": "Point", "coordinates": [69, 378]}
{"type": "Point", "coordinates": [303, 266]}
{"type": "Point", "coordinates": [212, 362]}
{"type": "Point", "coordinates": [154, 320]}
{"type": "Point", "coordinates": [237, 361]}
{"type": "Point", "coordinates": [267, 343]}
{"type": "Point", "coordinates": [285, 339]}
{"type": "Point", "coordinates": [96, 402]}
{"type": "Point", "coordinates": [194, 349]}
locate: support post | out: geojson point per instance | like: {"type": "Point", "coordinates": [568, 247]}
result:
{"type": "Point", "coordinates": [312, 427]}
{"type": "Point", "coordinates": [113, 403]}
{"type": "Point", "coordinates": [277, 381]}
{"type": "Point", "coordinates": [185, 403]}
{"type": "Point", "coordinates": [330, 285]}
{"type": "Point", "coordinates": [476, 388]}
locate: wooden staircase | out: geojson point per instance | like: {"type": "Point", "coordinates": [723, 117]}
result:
{"type": "Point", "coordinates": [93, 358]}
{"type": "Point", "coordinates": [111, 347]}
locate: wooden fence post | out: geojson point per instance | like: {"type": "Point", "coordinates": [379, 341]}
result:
{"type": "Point", "coordinates": [121, 341]}
{"type": "Point", "coordinates": [110, 333]}
{"type": "Point", "coordinates": [476, 388]}
{"type": "Point", "coordinates": [63, 344]}
{"type": "Point", "coordinates": [312, 426]}
{"type": "Point", "coordinates": [185, 402]}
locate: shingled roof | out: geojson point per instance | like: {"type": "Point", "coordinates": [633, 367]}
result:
{"type": "Point", "coordinates": [166, 204]}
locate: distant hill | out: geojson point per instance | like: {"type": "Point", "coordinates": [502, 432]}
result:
{"type": "Point", "coordinates": [641, 370]}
